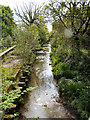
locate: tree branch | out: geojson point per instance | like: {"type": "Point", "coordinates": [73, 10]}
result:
{"type": "Point", "coordinates": [87, 24]}
{"type": "Point", "coordinates": [28, 14]}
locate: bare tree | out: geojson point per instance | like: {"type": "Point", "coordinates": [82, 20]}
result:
{"type": "Point", "coordinates": [28, 13]}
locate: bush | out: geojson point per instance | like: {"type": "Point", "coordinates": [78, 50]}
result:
{"type": "Point", "coordinates": [11, 78]}
{"type": "Point", "coordinates": [55, 60]}
{"type": "Point", "coordinates": [27, 43]}
{"type": "Point", "coordinates": [63, 70]}
{"type": "Point", "coordinates": [7, 42]}
{"type": "Point", "coordinates": [78, 95]}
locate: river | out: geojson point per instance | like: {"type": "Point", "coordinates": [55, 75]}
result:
{"type": "Point", "coordinates": [43, 102]}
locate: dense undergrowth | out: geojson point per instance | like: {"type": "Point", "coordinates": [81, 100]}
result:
{"type": "Point", "coordinates": [12, 92]}
{"type": "Point", "coordinates": [71, 69]}
{"type": "Point", "coordinates": [14, 80]}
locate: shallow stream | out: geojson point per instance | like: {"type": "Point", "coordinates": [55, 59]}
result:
{"type": "Point", "coordinates": [43, 102]}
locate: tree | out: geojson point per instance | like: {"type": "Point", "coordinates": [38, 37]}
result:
{"type": "Point", "coordinates": [32, 15]}
{"type": "Point", "coordinates": [42, 29]}
{"type": "Point", "coordinates": [7, 21]}
{"type": "Point", "coordinates": [75, 15]}
{"type": "Point", "coordinates": [27, 43]}
{"type": "Point", "coordinates": [28, 13]}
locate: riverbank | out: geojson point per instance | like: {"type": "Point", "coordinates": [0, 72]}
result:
{"type": "Point", "coordinates": [72, 76]}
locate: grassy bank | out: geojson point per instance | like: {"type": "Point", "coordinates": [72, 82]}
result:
{"type": "Point", "coordinates": [71, 70]}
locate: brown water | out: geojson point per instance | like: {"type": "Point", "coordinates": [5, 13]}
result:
{"type": "Point", "coordinates": [43, 102]}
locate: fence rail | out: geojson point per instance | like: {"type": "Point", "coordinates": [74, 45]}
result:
{"type": "Point", "coordinates": [2, 55]}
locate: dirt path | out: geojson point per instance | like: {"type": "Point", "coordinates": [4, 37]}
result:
{"type": "Point", "coordinates": [11, 62]}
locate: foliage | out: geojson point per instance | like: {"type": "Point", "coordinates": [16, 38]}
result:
{"type": "Point", "coordinates": [28, 39]}
{"type": "Point", "coordinates": [7, 21]}
{"type": "Point", "coordinates": [27, 43]}
{"type": "Point", "coordinates": [34, 16]}
{"type": "Point", "coordinates": [78, 93]}
{"type": "Point", "coordinates": [9, 98]}
{"type": "Point", "coordinates": [63, 70]}
{"type": "Point", "coordinates": [74, 16]}
{"type": "Point", "coordinates": [72, 72]}
{"type": "Point", "coordinates": [7, 42]}
{"type": "Point", "coordinates": [70, 52]}
{"type": "Point", "coordinates": [29, 89]}
{"type": "Point", "coordinates": [7, 26]}
{"type": "Point", "coordinates": [10, 93]}
{"type": "Point", "coordinates": [9, 72]}
{"type": "Point", "coordinates": [43, 31]}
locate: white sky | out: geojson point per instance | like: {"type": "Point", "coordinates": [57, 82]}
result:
{"type": "Point", "coordinates": [13, 3]}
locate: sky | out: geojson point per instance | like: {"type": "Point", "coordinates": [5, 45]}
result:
{"type": "Point", "coordinates": [14, 3]}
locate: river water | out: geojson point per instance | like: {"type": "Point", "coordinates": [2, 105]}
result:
{"type": "Point", "coordinates": [43, 102]}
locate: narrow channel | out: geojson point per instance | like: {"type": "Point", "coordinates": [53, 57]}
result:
{"type": "Point", "coordinates": [42, 102]}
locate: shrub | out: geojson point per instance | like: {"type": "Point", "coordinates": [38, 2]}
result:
{"type": "Point", "coordinates": [78, 95]}
{"type": "Point", "coordinates": [63, 70]}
